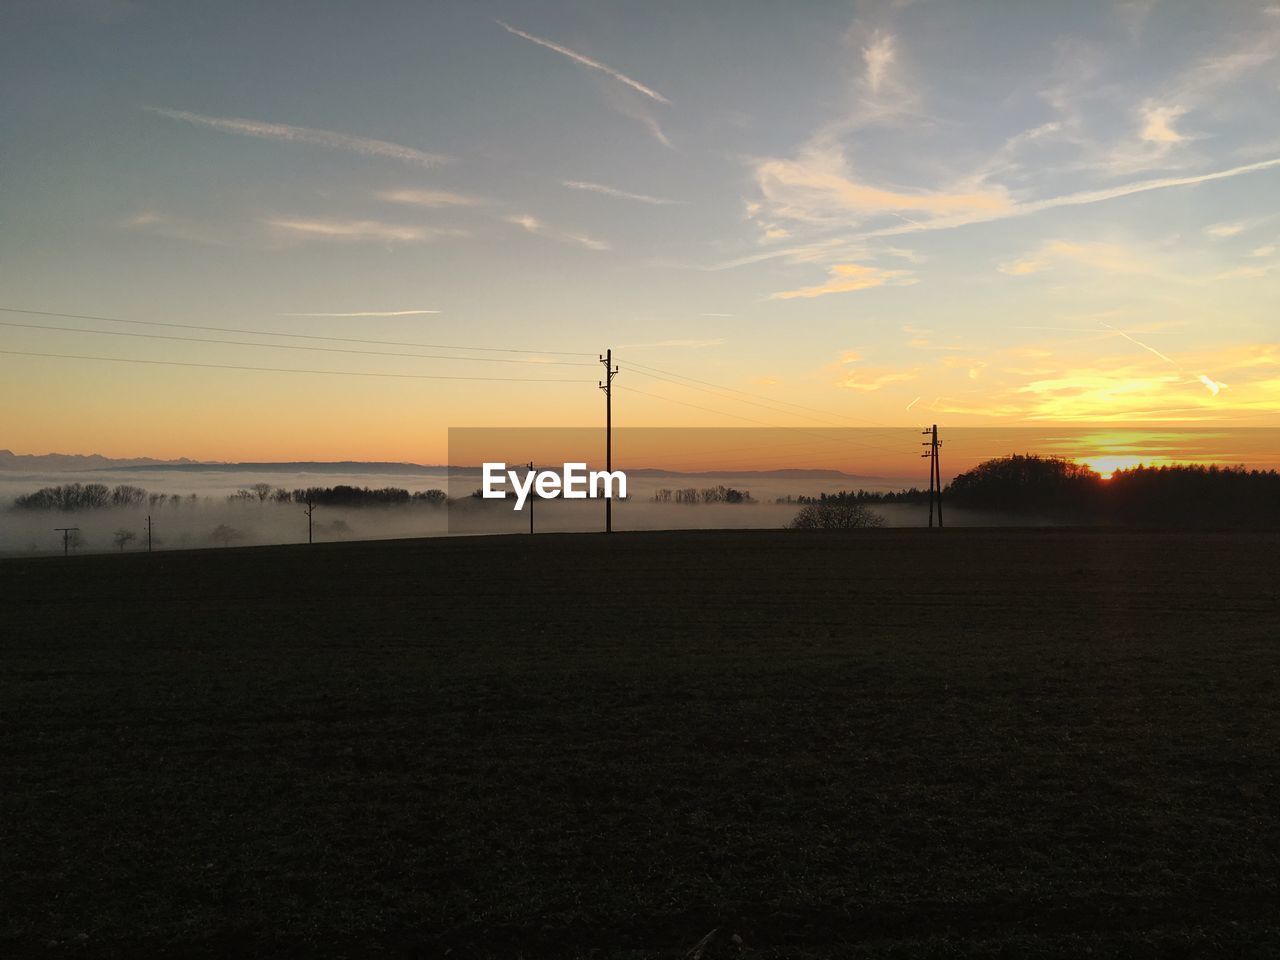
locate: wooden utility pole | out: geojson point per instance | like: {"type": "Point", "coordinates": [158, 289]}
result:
{"type": "Point", "coordinates": [935, 471]}
{"type": "Point", "coordinates": [148, 533]}
{"type": "Point", "coordinates": [311, 508]}
{"type": "Point", "coordinates": [929, 456]}
{"type": "Point", "coordinates": [610, 371]}
{"type": "Point", "coordinates": [66, 538]}
{"type": "Point", "coordinates": [532, 497]}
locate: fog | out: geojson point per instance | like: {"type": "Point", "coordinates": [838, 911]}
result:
{"type": "Point", "coordinates": [203, 517]}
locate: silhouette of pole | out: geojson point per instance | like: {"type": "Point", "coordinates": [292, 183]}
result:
{"type": "Point", "coordinates": [929, 455]}
{"type": "Point", "coordinates": [66, 538]}
{"type": "Point", "coordinates": [532, 498]}
{"type": "Point", "coordinates": [610, 371]}
{"type": "Point", "coordinates": [311, 508]}
{"type": "Point", "coordinates": [937, 469]}
{"type": "Point", "coordinates": [148, 533]}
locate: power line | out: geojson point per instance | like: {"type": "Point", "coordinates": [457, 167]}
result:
{"type": "Point", "coordinates": [342, 373]}
{"type": "Point", "coordinates": [291, 346]}
{"type": "Point", "coordinates": [293, 336]}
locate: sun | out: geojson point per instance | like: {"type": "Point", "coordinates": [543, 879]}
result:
{"type": "Point", "coordinates": [1106, 466]}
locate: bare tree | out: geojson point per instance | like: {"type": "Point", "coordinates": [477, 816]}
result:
{"type": "Point", "coordinates": [835, 515]}
{"type": "Point", "coordinates": [263, 490]}
{"type": "Point", "coordinates": [225, 535]}
{"type": "Point", "coordinates": [122, 538]}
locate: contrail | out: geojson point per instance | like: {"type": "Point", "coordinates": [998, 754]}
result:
{"type": "Point", "coordinates": [366, 313]}
{"type": "Point", "coordinates": [586, 62]}
{"type": "Point", "coordinates": [1072, 200]}
{"type": "Point", "coordinates": [1144, 346]}
{"type": "Point", "coordinates": [322, 138]}
{"type": "Point", "coordinates": [615, 192]}
{"type": "Point", "coordinates": [1213, 386]}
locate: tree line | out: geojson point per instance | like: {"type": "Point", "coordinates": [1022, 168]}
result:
{"type": "Point", "coordinates": [695, 496]}
{"type": "Point", "coordinates": [70, 497]}
{"type": "Point", "coordinates": [97, 496]}
{"type": "Point", "coordinates": [341, 495]}
{"type": "Point", "coordinates": [1062, 490]}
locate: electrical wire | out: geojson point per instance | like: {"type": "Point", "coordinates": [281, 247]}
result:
{"type": "Point", "coordinates": [293, 346]}
{"type": "Point", "coordinates": [294, 336]}
{"type": "Point", "coordinates": [343, 373]}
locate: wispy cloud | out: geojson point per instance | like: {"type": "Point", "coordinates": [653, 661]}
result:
{"type": "Point", "coordinates": [688, 344]}
{"type": "Point", "coordinates": [356, 231]}
{"type": "Point", "coordinates": [1111, 258]}
{"type": "Point", "coordinates": [535, 226]}
{"type": "Point", "coordinates": [430, 198]}
{"type": "Point", "coordinates": [818, 186]}
{"type": "Point", "coordinates": [1158, 121]}
{"type": "Point", "coordinates": [615, 192]}
{"type": "Point", "coordinates": [847, 278]}
{"type": "Point", "coordinates": [323, 138]}
{"type": "Point", "coordinates": [367, 313]}
{"type": "Point", "coordinates": [878, 55]}
{"type": "Point", "coordinates": [1072, 200]}
{"type": "Point", "coordinates": [586, 62]}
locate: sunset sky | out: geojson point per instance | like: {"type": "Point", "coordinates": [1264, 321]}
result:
{"type": "Point", "coordinates": [873, 214]}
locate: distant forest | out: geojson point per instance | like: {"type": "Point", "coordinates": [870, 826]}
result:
{"type": "Point", "coordinates": [1064, 491]}
{"type": "Point", "coordinates": [99, 496]}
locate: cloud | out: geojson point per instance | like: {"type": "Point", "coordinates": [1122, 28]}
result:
{"type": "Point", "coordinates": [1213, 386]}
{"type": "Point", "coordinates": [616, 193]}
{"type": "Point", "coordinates": [1157, 123]}
{"type": "Point", "coordinates": [1263, 251]}
{"type": "Point", "coordinates": [1108, 258]}
{"type": "Point", "coordinates": [689, 344]}
{"type": "Point", "coordinates": [847, 278]}
{"type": "Point", "coordinates": [587, 62]}
{"type": "Point", "coordinates": [366, 313]}
{"type": "Point", "coordinates": [291, 134]}
{"type": "Point", "coordinates": [876, 378]}
{"type": "Point", "coordinates": [535, 226]}
{"type": "Point", "coordinates": [879, 55]}
{"type": "Point", "coordinates": [1081, 198]}
{"type": "Point", "coordinates": [356, 231]}
{"type": "Point", "coordinates": [818, 186]}
{"type": "Point", "coordinates": [430, 198]}
{"type": "Point", "coordinates": [1221, 231]}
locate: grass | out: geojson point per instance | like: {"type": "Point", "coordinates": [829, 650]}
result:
{"type": "Point", "coordinates": [892, 743]}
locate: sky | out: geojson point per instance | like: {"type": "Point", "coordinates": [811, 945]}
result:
{"type": "Point", "coordinates": [883, 214]}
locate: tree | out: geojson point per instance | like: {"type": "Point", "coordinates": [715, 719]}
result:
{"type": "Point", "coordinates": [122, 538]}
{"type": "Point", "coordinates": [835, 515]}
{"type": "Point", "coordinates": [224, 534]}
{"type": "Point", "coordinates": [434, 498]}
{"type": "Point", "coordinates": [1048, 484]}
{"type": "Point", "coordinates": [263, 490]}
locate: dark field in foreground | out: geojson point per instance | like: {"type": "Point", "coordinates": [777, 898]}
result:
{"type": "Point", "coordinates": [876, 744]}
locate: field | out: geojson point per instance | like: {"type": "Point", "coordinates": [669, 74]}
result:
{"type": "Point", "coordinates": [885, 743]}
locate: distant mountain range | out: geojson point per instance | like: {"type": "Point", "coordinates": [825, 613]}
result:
{"type": "Point", "coordinates": [78, 463]}
{"type": "Point", "coordinates": [30, 462]}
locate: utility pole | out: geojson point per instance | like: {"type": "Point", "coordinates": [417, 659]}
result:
{"type": "Point", "coordinates": [311, 508]}
{"type": "Point", "coordinates": [532, 497]}
{"type": "Point", "coordinates": [66, 538]}
{"type": "Point", "coordinates": [610, 371]}
{"type": "Point", "coordinates": [935, 472]}
{"type": "Point", "coordinates": [148, 533]}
